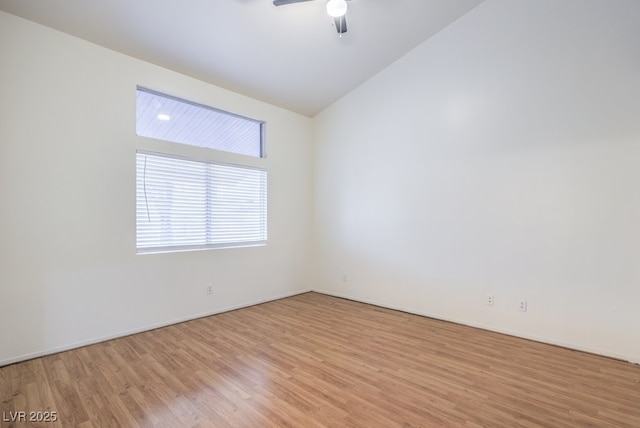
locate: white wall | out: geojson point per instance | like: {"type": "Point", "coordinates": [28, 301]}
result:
{"type": "Point", "coordinates": [68, 270]}
{"type": "Point", "coordinates": [500, 157]}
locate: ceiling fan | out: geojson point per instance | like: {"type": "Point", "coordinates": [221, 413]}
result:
{"type": "Point", "coordinates": [337, 9]}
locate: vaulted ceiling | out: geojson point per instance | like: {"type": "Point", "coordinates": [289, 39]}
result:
{"type": "Point", "coordinates": [290, 56]}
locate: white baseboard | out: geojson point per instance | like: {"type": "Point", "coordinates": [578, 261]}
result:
{"type": "Point", "coordinates": [573, 346]}
{"type": "Point", "coordinates": [149, 327]}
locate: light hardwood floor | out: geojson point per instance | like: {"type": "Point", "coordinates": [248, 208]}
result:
{"type": "Point", "coordinates": [319, 361]}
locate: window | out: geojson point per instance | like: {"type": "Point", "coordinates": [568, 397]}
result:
{"type": "Point", "coordinates": [171, 119]}
{"type": "Point", "coordinates": [184, 205]}
{"type": "Point", "coordinates": [188, 204]}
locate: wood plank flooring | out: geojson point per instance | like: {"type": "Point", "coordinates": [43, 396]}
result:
{"type": "Point", "coordinates": [319, 361]}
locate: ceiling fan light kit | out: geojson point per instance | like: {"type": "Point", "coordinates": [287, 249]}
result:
{"type": "Point", "coordinates": [337, 9]}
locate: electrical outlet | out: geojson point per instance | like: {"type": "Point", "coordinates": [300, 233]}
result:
{"type": "Point", "coordinates": [490, 301]}
{"type": "Point", "coordinates": [522, 306]}
{"type": "Point", "coordinates": [345, 277]}
{"type": "Point", "coordinates": [209, 289]}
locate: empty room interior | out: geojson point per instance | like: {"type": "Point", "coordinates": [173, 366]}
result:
{"type": "Point", "coordinates": [256, 213]}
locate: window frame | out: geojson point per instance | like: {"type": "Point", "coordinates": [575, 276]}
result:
{"type": "Point", "coordinates": [249, 223]}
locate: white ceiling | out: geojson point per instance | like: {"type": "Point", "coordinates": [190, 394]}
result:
{"type": "Point", "coordinates": [289, 56]}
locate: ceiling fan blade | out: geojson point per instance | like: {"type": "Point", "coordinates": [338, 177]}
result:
{"type": "Point", "coordinates": [341, 24]}
{"type": "Point", "coordinates": [283, 2]}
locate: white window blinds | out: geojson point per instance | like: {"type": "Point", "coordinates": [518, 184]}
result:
{"type": "Point", "coordinates": [184, 204]}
